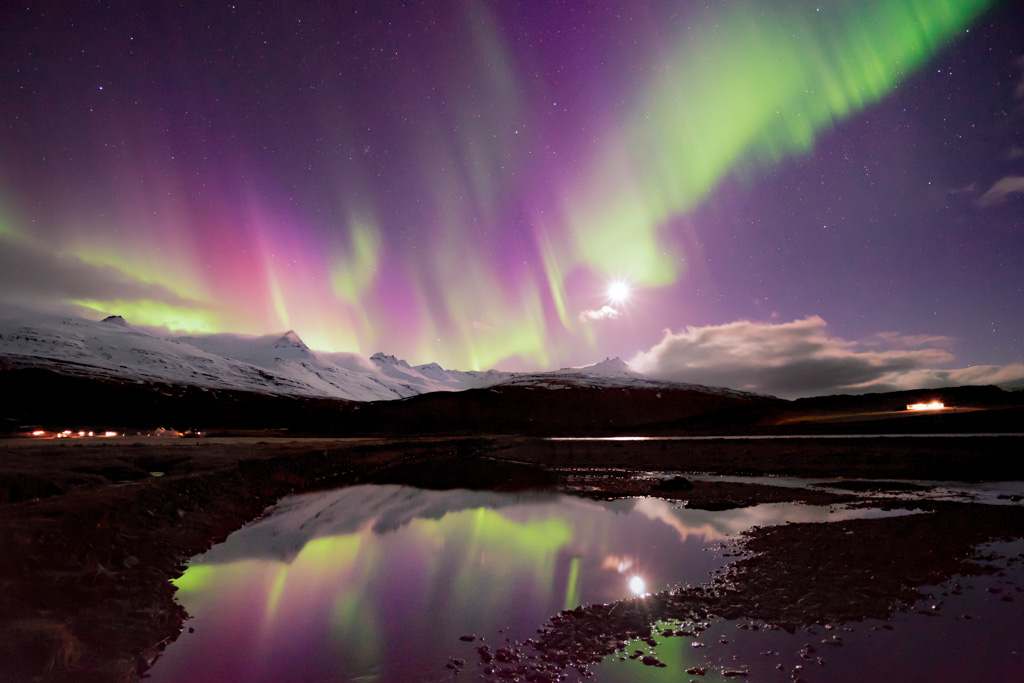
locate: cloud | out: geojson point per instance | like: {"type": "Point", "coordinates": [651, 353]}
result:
{"type": "Point", "coordinates": [906, 341]}
{"type": "Point", "coordinates": [604, 313]}
{"type": "Point", "coordinates": [32, 274]}
{"type": "Point", "coordinates": [350, 361]}
{"type": "Point", "coordinates": [799, 358]}
{"type": "Point", "coordinates": [1004, 186]}
{"type": "Point", "coordinates": [976, 374]}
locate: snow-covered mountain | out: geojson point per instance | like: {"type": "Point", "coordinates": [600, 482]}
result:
{"type": "Point", "coordinates": [609, 373]}
{"type": "Point", "coordinates": [1012, 385]}
{"type": "Point", "coordinates": [429, 377]}
{"type": "Point", "coordinates": [272, 364]}
{"type": "Point", "coordinates": [279, 364]}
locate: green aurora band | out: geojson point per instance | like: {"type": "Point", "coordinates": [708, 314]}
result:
{"type": "Point", "coordinates": [748, 84]}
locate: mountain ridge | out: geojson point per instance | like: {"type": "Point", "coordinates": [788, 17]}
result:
{"type": "Point", "coordinates": [275, 364]}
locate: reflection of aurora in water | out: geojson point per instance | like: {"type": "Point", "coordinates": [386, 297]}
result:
{"type": "Point", "coordinates": [382, 580]}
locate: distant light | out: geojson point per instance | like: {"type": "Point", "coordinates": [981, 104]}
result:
{"type": "Point", "coordinates": [934, 405]}
{"type": "Point", "coordinates": [109, 433]}
{"type": "Point", "coordinates": [38, 432]}
{"type": "Point", "coordinates": [637, 585]}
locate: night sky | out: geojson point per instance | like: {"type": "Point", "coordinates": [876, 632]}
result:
{"type": "Point", "coordinates": [788, 196]}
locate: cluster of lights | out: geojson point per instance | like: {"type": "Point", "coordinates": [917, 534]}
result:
{"type": "Point", "coordinates": [71, 434]}
{"type": "Point", "coordinates": [82, 434]}
{"type": "Point", "coordinates": [934, 405]}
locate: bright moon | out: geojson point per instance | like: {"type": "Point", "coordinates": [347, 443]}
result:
{"type": "Point", "coordinates": [637, 585]}
{"type": "Point", "coordinates": [618, 291]}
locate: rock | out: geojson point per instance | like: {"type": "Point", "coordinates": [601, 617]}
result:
{"type": "Point", "coordinates": [674, 482]}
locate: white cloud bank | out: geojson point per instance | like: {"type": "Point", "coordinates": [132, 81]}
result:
{"type": "Point", "coordinates": [798, 358]}
{"type": "Point", "coordinates": [603, 313]}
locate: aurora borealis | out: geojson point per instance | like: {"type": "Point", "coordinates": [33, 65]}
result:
{"type": "Point", "coordinates": [460, 182]}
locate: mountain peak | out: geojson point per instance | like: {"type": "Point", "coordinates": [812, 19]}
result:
{"type": "Point", "coordinates": [609, 366]}
{"type": "Point", "coordinates": [290, 340]}
{"type": "Point", "coordinates": [115, 320]}
{"type": "Point", "coordinates": [381, 358]}
{"type": "Point", "coordinates": [431, 371]}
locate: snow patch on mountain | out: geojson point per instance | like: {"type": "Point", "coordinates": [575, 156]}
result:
{"type": "Point", "coordinates": [609, 367]}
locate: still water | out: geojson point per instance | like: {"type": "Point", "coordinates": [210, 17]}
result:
{"type": "Point", "coordinates": [378, 583]}
{"type": "Point", "coordinates": [969, 629]}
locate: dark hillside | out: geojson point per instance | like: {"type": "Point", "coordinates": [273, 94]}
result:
{"type": "Point", "coordinates": [567, 410]}
{"type": "Point", "coordinates": [49, 400]}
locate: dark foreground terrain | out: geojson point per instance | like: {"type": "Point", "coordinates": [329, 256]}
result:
{"type": "Point", "coordinates": [92, 531]}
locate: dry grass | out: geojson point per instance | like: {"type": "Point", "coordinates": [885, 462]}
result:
{"type": "Point", "coordinates": [39, 645]}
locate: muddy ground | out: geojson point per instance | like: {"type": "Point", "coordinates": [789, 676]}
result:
{"type": "Point", "coordinates": [92, 531]}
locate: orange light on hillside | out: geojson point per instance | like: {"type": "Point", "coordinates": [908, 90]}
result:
{"type": "Point", "coordinates": [934, 405]}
